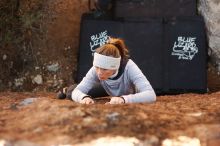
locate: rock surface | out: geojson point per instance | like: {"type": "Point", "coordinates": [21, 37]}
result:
{"type": "Point", "coordinates": [41, 119]}
{"type": "Point", "coordinates": [210, 9]}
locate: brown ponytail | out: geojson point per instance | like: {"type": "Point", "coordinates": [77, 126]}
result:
{"type": "Point", "coordinates": [115, 48]}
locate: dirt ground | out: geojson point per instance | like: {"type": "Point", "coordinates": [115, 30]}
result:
{"type": "Point", "coordinates": [46, 58]}
{"type": "Point", "coordinates": [45, 120]}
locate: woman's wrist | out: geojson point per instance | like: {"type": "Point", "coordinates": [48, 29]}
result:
{"type": "Point", "coordinates": [87, 96]}
{"type": "Point", "coordinates": [122, 98]}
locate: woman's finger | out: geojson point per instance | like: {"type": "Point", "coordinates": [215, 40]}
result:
{"type": "Point", "coordinates": [89, 101]}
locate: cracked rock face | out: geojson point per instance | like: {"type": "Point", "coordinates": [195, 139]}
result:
{"type": "Point", "coordinates": [210, 9]}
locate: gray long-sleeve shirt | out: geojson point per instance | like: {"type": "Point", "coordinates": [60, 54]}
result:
{"type": "Point", "coordinates": [132, 85]}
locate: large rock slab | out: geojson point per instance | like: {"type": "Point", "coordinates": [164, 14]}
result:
{"type": "Point", "coordinates": [210, 9]}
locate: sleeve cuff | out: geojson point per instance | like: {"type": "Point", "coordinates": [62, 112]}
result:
{"type": "Point", "coordinates": [77, 95]}
{"type": "Point", "coordinates": [126, 98]}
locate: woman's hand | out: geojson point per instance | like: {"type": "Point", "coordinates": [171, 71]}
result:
{"type": "Point", "coordinates": [87, 100]}
{"type": "Point", "coordinates": [116, 100]}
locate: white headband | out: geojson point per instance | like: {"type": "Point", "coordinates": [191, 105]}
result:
{"type": "Point", "coordinates": [106, 62]}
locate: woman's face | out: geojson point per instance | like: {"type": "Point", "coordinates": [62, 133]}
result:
{"type": "Point", "coordinates": [104, 74]}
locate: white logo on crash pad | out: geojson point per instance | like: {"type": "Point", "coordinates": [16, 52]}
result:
{"type": "Point", "coordinates": [185, 48]}
{"type": "Point", "coordinates": [98, 40]}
